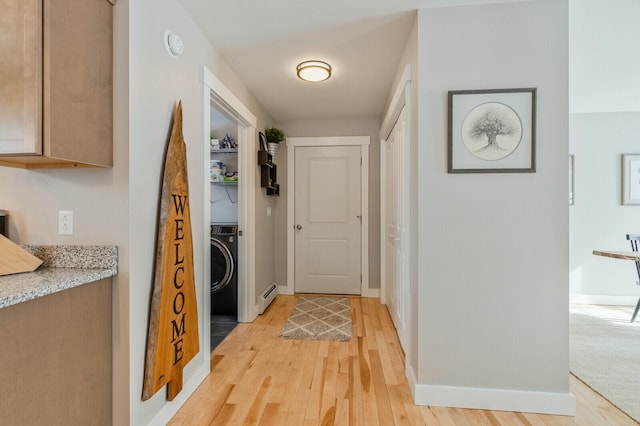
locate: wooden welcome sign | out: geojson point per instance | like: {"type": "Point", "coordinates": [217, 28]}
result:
{"type": "Point", "coordinates": [172, 339]}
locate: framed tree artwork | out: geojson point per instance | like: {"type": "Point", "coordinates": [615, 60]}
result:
{"type": "Point", "coordinates": [492, 131]}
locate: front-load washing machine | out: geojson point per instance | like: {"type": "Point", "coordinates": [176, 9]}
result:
{"type": "Point", "coordinates": [224, 271]}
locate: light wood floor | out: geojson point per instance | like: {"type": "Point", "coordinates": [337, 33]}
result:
{"type": "Point", "coordinates": [258, 378]}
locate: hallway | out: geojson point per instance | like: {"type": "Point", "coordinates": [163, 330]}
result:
{"type": "Point", "coordinates": [259, 378]}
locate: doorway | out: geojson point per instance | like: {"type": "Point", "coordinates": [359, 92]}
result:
{"type": "Point", "coordinates": [218, 104]}
{"type": "Point", "coordinates": [327, 215]}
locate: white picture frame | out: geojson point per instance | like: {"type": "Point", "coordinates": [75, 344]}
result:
{"type": "Point", "coordinates": [631, 179]}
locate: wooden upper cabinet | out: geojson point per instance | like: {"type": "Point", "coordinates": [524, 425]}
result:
{"type": "Point", "coordinates": [21, 77]}
{"type": "Point", "coordinates": [56, 83]}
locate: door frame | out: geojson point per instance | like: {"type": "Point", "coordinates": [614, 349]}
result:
{"type": "Point", "coordinates": [214, 92]}
{"type": "Point", "coordinates": [292, 144]}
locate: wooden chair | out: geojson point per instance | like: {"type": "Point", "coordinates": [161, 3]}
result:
{"type": "Point", "coordinates": [634, 239]}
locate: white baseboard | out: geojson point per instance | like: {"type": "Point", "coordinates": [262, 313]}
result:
{"type": "Point", "coordinates": [170, 408]}
{"type": "Point", "coordinates": [411, 378]}
{"type": "Point", "coordinates": [602, 299]}
{"type": "Point", "coordinates": [283, 289]}
{"type": "Point", "coordinates": [371, 292]}
{"type": "Point", "coordinates": [495, 399]}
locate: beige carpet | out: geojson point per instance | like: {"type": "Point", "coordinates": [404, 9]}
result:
{"type": "Point", "coordinates": [605, 353]}
{"type": "Point", "coordinates": [319, 318]}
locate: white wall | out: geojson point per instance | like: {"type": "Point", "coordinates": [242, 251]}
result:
{"type": "Point", "coordinates": [493, 259]}
{"type": "Point", "coordinates": [604, 65]}
{"type": "Point", "coordinates": [157, 82]}
{"type": "Point", "coordinates": [316, 128]}
{"type": "Point", "coordinates": [604, 124]}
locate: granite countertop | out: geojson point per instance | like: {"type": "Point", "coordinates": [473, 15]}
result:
{"type": "Point", "coordinates": [63, 267]}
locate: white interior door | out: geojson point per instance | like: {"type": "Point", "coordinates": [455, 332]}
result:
{"type": "Point", "coordinates": [396, 187]}
{"type": "Point", "coordinates": [328, 220]}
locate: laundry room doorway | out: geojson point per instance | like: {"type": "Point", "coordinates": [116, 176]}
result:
{"type": "Point", "coordinates": [229, 137]}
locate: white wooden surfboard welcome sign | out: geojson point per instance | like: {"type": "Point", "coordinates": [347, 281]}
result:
{"type": "Point", "coordinates": [172, 339]}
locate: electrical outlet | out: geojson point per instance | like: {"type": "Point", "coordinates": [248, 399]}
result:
{"type": "Point", "coordinates": [268, 211]}
{"type": "Point", "coordinates": [65, 222]}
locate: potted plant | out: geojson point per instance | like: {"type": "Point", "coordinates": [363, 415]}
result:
{"type": "Point", "coordinates": [274, 137]}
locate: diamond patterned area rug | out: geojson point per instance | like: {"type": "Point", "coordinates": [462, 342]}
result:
{"type": "Point", "coordinates": [319, 318]}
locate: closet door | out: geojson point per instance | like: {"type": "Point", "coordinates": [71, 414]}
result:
{"type": "Point", "coordinates": [396, 187]}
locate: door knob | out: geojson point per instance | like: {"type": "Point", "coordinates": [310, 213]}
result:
{"type": "Point", "coordinates": [298, 227]}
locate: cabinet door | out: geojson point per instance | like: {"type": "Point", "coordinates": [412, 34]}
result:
{"type": "Point", "coordinates": [77, 80]}
{"type": "Point", "coordinates": [21, 77]}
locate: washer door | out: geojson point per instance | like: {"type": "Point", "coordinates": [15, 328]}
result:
{"type": "Point", "coordinates": [222, 265]}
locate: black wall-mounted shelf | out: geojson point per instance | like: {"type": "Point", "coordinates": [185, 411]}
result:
{"type": "Point", "coordinates": [268, 173]}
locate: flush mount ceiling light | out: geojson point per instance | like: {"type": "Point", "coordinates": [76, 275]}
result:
{"type": "Point", "coordinates": [313, 71]}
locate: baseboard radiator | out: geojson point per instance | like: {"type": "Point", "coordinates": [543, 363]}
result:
{"type": "Point", "coordinates": [267, 297]}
